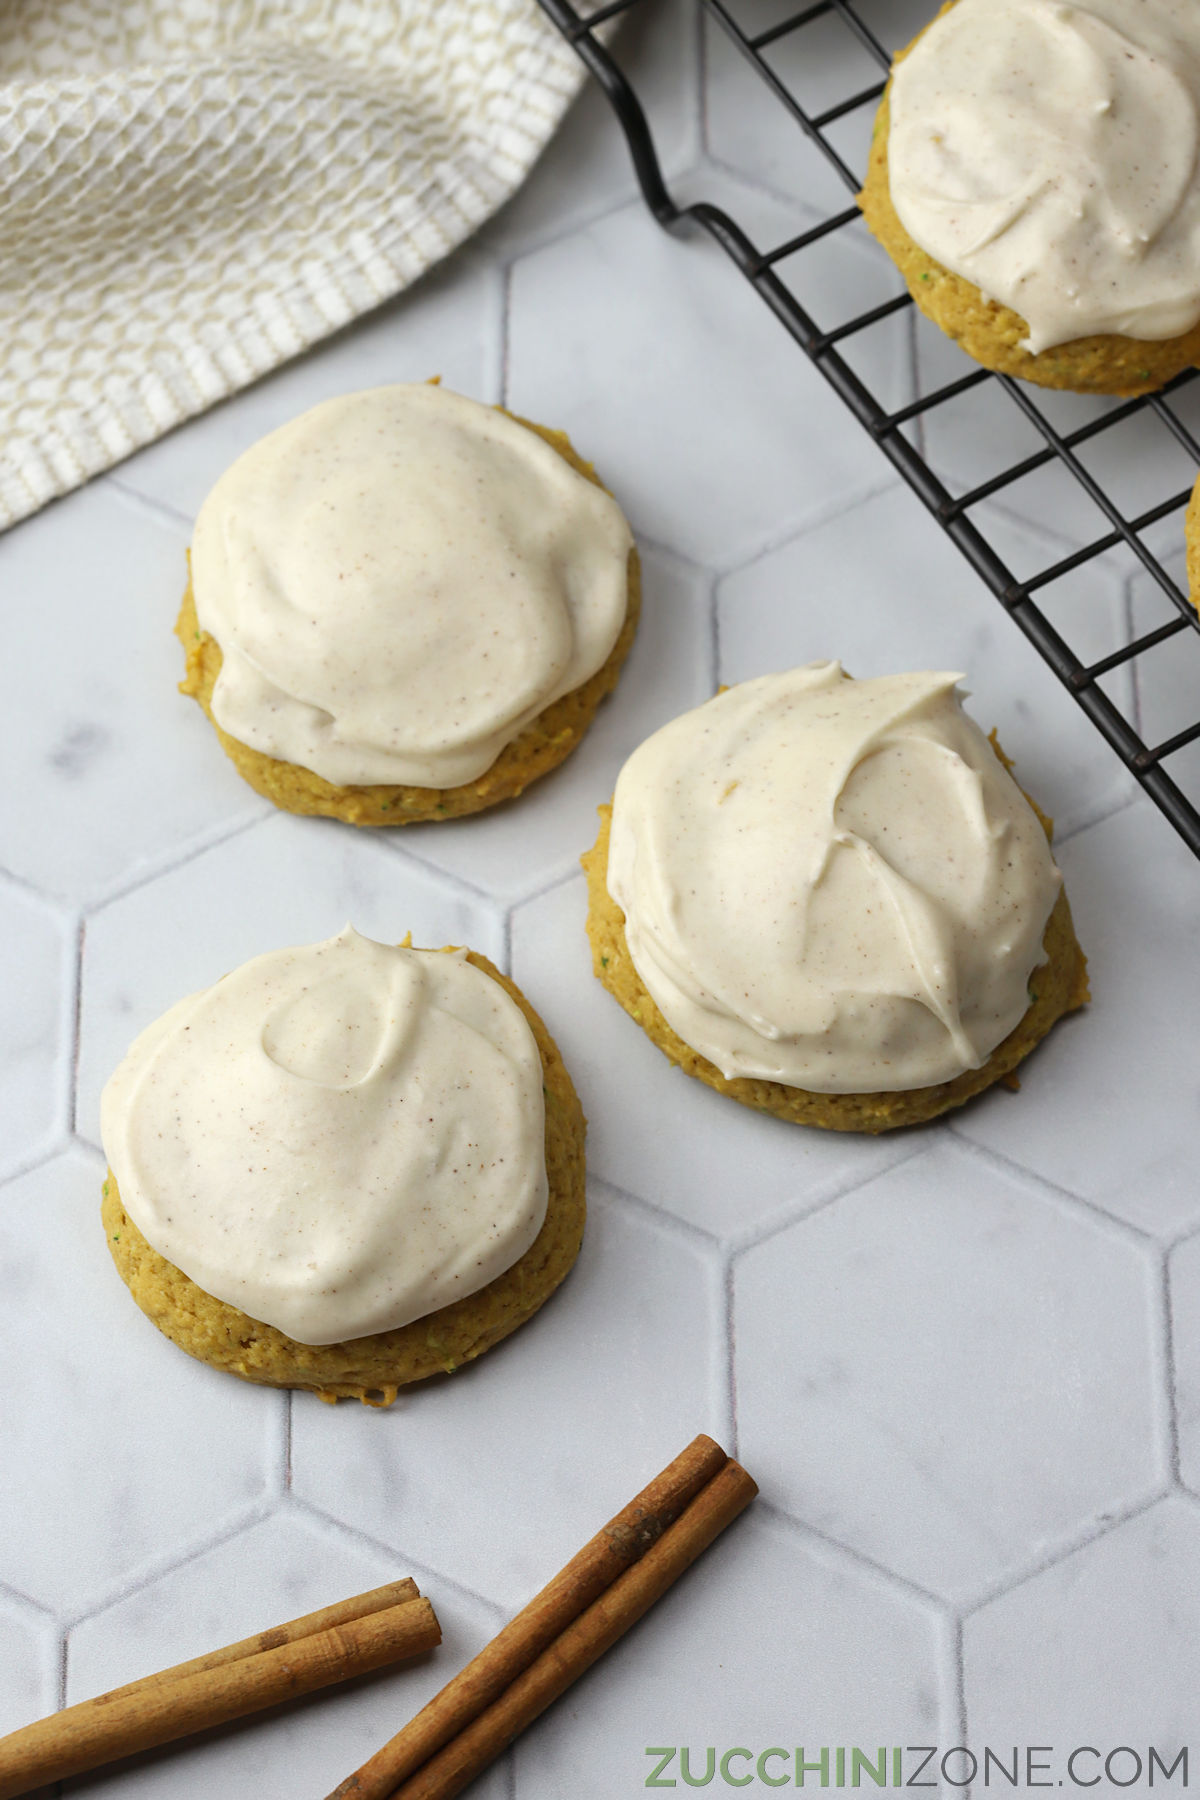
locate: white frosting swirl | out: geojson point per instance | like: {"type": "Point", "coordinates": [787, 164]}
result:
{"type": "Point", "coordinates": [337, 1138]}
{"type": "Point", "coordinates": [400, 581]}
{"type": "Point", "coordinates": [829, 883]}
{"type": "Point", "coordinates": [1048, 153]}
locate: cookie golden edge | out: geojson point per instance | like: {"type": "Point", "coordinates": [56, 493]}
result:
{"type": "Point", "coordinates": [545, 742]}
{"type": "Point", "coordinates": [372, 1369]}
{"type": "Point", "coordinates": [1191, 532]}
{"type": "Point", "coordinates": [991, 333]}
{"type": "Point", "coordinates": [1058, 986]}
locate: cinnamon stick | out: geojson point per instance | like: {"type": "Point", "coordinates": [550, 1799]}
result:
{"type": "Point", "coordinates": [600, 1593]}
{"type": "Point", "coordinates": [358, 1606]}
{"type": "Point", "coordinates": [586, 1639]}
{"type": "Point", "coordinates": [174, 1704]}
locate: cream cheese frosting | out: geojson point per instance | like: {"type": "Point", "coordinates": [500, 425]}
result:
{"type": "Point", "coordinates": [338, 1138]}
{"type": "Point", "coordinates": [400, 581]}
{"type": "Point", "coordinates": [1047, 152]}
{"type": "Point", "coordinates": [832, 884]}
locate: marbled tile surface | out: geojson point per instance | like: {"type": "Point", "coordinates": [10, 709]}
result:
{"type": "Point", "coordinates": [964, 1363]}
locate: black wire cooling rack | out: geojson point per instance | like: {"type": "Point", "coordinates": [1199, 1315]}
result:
{"type": "Point", "coordinates": [1110, 689]}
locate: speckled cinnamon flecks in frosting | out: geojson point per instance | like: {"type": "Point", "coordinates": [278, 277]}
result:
{"type": "Point", "coordinates": [1047, 152]}
{"type": "Point", "coordinates": [831, 884]}
{"type": "Point", "coordinates": [338, 1138]}
{"type": "Point", "coordinates": [400, 581]}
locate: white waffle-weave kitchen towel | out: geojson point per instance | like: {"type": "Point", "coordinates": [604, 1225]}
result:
{"type": "Point", "coordinates": [192, 191]}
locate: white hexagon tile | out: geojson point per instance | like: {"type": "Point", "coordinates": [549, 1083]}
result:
{"type": "Point", "coordinates": [962, 1361]}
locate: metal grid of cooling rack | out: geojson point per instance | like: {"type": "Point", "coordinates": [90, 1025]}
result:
{"type": "Point", "coordinates": [761, 266]}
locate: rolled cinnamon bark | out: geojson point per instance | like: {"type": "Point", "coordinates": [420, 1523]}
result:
{"type": "Point", "coordinates": [162, 1708]}
{"type": "Point", "coordinates": [358, 1606]}
{"type": "Point", "coordinates": [586, 1639]}
{"type": "Point", "coordinates": [600, 1593]}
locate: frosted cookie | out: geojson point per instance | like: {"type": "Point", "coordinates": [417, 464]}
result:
{"type": "Point", "coordinates": [1034, 176]}
{"type": "Point", "coordinates": [405, 606]}
{"type": "Point", "coordinates": [344, 1167]}
{"type": "Point", "coordinates": [829, 900]}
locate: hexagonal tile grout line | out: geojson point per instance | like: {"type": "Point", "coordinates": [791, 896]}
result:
{"type": "Point", "coordinates": [703, 88]}
{"type": "Point", "coordinates": [716, 1260]}
{"type": "Point", "coordinates": [1062, 1552]}
{"type": "Point", "coordinates": [702, 574]}
{"type": "Point", "coordinates": [154, 868]}
{"type": "Point", "coordinates": [1131, 668]}
{"type": "Point", "coordinates": [1170, 1373]}
{"type": "Point", "coordinates": [714, 634]}
{"type": "Point", "coordinates": [919, 433]}
{"type": "Point", "coordinates": [704, 1242]}
{"type": "Point", "coordinates": [951, 1616]}
{"type": "Point", "coordinates": [29, 890]}
{"type": "Point", "coordinates": [725, 1375]}
{"type": "Point", "coordinates": [37, 1158]}
{"type": "Point", "coordinates": [145, 505]}
{"type": "Point", "coordinates": [945, 1617]}
{"type": "Point", "coordinates": [289, 1419]}
{"type": "Point", "coordinates": [74, 1036]}
{"type": "Point", "coordinates": [495, 358]}
{"type": "Point", "coordinates": [952, 1667]}
{"type": "Point", "coordinates": [506, 269]}
{"type": "Point", "coordinates": [21, 1602]}
{"type": "Point", "coordinates": [1189, 1496]}
{"type": "Point", "coordinates": [543, 888]}
{"type": "Point", "coordinates": [705, 579]}
{"type": "Point", "coordinates": [1154, 1258]}
{"type": "Point", "coordinates": [239, 1521]}
{"type": "Point", "coordinates": [757, 183]}
{"type": "Point", "coordinates": [860, 1563]}
{"type": "Point", "coordinates": [391, 843]}
{"type": "Point", "coordinates": [1101, 817]}
{"type": "Point", "coordinates": [1160, 1314]}
{"type": "Point", "coordinates": [277, 1446]}
{"type": "Point", "coordinates": [420, 1571]}
{"type": "Point", "coordinates": [803, 209]}
{"type": "Point", "coordinates": [1171, 1241]}
{"type": "Point", "coordinates": [800, 1211]}
{"type": "Point", "coordinates": [728, 1301]}
{"type": "Point", "coordinates": [1075, 1205]}
{"type": "Point", "coordinates": [85, 1145]}
{"type": "Point", "coordinates": [840, 508]}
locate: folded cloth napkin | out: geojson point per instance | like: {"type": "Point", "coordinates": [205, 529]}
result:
{"type": "Point", "coordinates": [192, 191]}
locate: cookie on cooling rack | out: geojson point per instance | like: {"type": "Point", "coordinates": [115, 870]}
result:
{"type": "Point", "coordinates": [406, 606]}
{"type": "Point", "coordinates": [1033, 176]}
